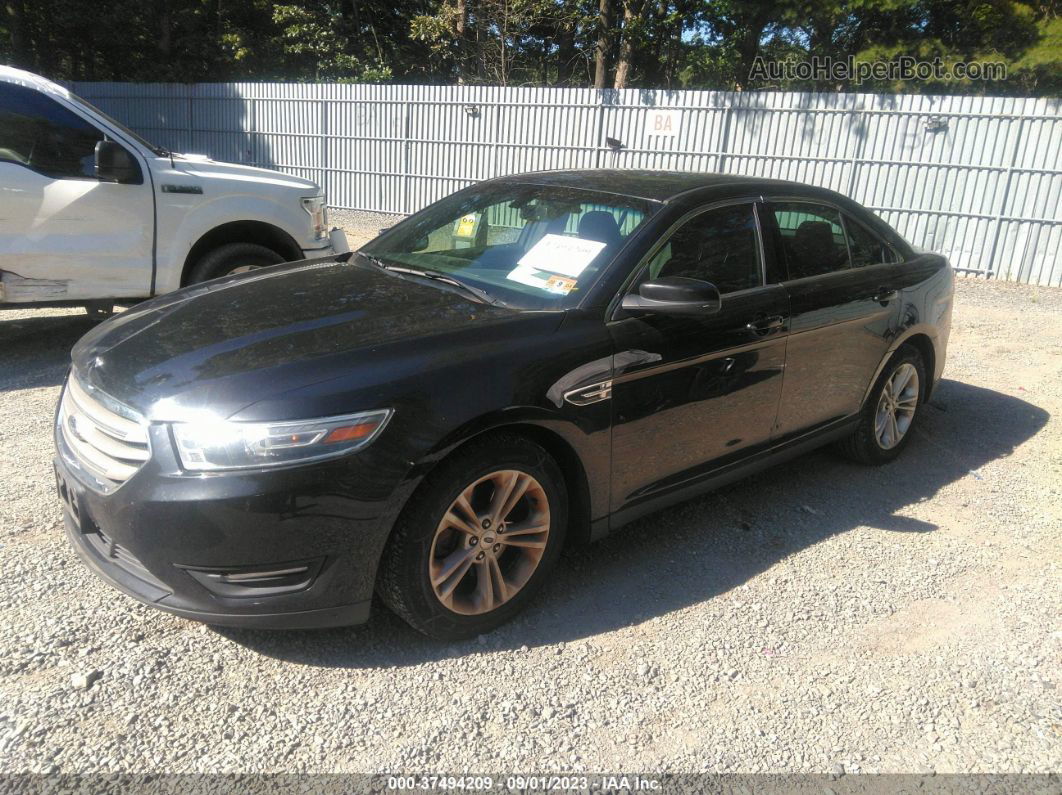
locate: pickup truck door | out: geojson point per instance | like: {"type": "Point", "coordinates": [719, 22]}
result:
{"type": "Point", "coordinates": [65, 235]}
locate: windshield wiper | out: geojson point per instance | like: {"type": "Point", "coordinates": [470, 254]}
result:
{"type": "Point", "coordinates": [439, 276]}
{"type": "Point", "coordinates": [379, 263]}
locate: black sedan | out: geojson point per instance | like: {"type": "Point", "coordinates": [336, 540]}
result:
{"type": "Point", "coordinates": [531, 361]}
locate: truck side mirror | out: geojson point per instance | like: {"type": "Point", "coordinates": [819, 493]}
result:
{"type": "Point", "coordinates": [114, 163]}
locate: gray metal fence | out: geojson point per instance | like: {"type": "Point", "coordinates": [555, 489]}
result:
{"type": "Point", "coordinates": [976, 178]}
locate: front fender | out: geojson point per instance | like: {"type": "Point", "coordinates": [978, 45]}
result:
{"type": "Point", "coordinates": [181, 227]}
{"type": "Point", "coordinates": [580, 443]}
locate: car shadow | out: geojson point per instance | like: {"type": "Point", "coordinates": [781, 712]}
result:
{"type": "Point", "coordinates": [35, 351]}
{"type": "Point", "coordinates": [703, 548]}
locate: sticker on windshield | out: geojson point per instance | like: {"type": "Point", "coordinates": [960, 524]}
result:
{"type": "Point", "coordinates": [550, 282]}
{"type": "Point", "coordinates": [465, 226]}
{"type": "Point", "coordinates": [561, 254]}
{"type": "Point", "coordinates": [560, 284]}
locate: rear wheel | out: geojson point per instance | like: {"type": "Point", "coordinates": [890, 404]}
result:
{"type": "Point", "coordinates": [891, 411]}
{"type": "Point", "coordinates": [232, 258]}
{"type": "Point", "coordinates": [478, 541]}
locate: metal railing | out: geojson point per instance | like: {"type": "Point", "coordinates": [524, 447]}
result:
{"type": "Point", "coordinates": [976, 178]}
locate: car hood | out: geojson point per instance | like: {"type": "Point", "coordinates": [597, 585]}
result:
{"type": "Point", "coordinates": [204, 168]}
{"type": "Point", "coordinates": [221, 347]}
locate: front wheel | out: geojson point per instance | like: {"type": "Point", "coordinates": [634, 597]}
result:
{"type": "Point", "coordinates": [232, 258]}
{"type": "Point", "coordinates": [478, 541]}
{"type": "Point", "coordinates": [891, 411]}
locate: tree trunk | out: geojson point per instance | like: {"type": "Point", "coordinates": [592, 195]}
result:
{"type": "Point", "coordinates": [21, 51]}
{"type": "Point", "coordinates": [460, 33]}
{"type": "Point", "coordinates": [165, 43]}
{"type": "Point", "coordinates": [565, 54]}
{"type": "Point", "coordinates": [631, 11]}
{"type": "Point", "coordinates": [603, 56]}
{"type": "Point", "coordinates": [748, 48]}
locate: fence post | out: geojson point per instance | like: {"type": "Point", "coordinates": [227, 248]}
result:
{"type": "Point", "coordinates": [252, 130]}
{"type": "Point", "coordinates": [598, 143]}
{"type": "Point", "coordinates": [406, 176]}
{"type": "Point", "coordinates": [190, 92]}
{"type": "Point", "coordinates": [724, 139]}
{"type": "Point", "coordinates": [857, 154]}
{"type": "Point", "coordinates": [324, 144]}
{"type": "Point", "coordinates": [499, 109]}
{"type": "Point", "coordinates": [990, 268]}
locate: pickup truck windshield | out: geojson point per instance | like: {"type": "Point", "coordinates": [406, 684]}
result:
{"type": "Point", "coordinates": [529, 246]}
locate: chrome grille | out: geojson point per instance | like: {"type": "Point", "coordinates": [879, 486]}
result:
{"type": "Point", "coordinates": [106, 445]}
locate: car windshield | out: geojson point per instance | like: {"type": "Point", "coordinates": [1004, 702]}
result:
{"type": "Point", "coordinates": [528, 246]}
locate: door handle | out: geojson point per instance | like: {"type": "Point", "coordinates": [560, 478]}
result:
{"type": "Point", "coordinates": [765, 324]}
{"type": "Point", "coordinates": [884, 295]}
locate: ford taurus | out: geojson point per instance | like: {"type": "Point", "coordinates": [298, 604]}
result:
{"type": "Point", "coordinates": [530, 361]}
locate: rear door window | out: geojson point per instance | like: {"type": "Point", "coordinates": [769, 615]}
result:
{"type": "Point", "coordinates": [39, 133]}
{"type": "Point", "coordinates": [811, 238]}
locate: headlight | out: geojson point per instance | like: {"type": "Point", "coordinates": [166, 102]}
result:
{"type": "Point", "coordinates": [315, 206]}
{"type": "Point", "coordinates": [220, 445]}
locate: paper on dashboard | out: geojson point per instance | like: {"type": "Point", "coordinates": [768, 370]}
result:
{"type": "Point", "coordinates": [562, 254]}
{"type": "Point", "coordinates": [555, 262]}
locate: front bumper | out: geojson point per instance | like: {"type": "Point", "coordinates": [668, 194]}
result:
{"type": "Point", "coordinates": [337, 244]}
{"type": "Point", "coordinates": [195, 547]}
{"type": "Point", "coordinates": [136, 586]}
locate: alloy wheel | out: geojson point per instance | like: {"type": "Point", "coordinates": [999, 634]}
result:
{"type": "Point", "coordinates": [896, 406]}
{"type": "Point", "coordinates": [489, 542]}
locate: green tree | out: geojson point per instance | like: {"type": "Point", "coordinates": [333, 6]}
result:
{"type": "Point", "coordinates": [602, 43]}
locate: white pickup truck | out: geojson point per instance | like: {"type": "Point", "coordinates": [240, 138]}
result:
{"type": "Point", "coordinates": [91, 213]}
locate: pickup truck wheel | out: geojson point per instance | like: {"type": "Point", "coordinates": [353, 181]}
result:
{"type": "Point", "coordinates": [232, 258]}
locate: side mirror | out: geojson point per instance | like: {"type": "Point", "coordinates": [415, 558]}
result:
{"type": "Point", "coordinates": [114, 163]}
{"type": "Point", "coordinates": [674, 295]}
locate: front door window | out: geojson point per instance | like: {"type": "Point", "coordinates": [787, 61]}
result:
{"type": "Point", "coordinates": [718, 246]}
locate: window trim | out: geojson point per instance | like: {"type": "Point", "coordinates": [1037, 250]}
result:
{"type": "Point", "coordinates": [897, 259]}
{"type": "Point", "coordinates": [822, 203]}
{"type": "Point", "coordinates": [845, 214]}
{"type": "Point", "coordinates": [645, 259]}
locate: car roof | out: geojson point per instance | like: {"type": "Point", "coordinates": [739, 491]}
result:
{"type": "Point", "coordinates": [20, 77]}
{"type": "Point", "coordinates": [659, 186]}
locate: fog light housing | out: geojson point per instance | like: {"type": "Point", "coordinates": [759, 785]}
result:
{"type": "Point", "coordinates": [242, 582]}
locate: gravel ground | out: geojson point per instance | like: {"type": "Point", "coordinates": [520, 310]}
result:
{"type": "Point", "coordinates": [820, 617]}
{"type": "Point", "coordinates": [361, 226]}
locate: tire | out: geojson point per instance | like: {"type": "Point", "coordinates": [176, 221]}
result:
{"type": "Point", "coordinates": [423, 539]}
{"type": "Point", "coordinates": [230, 258]}
{"type": "Point", "coordinates": [873, 441]}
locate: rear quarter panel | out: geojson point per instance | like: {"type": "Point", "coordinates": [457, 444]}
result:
{"type": "Point", "coordinates": [927, 286]}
